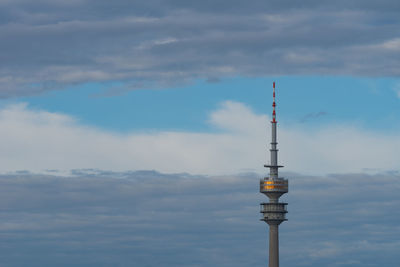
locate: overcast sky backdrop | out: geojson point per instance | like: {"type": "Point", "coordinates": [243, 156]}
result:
{"type": "Point", "coordinates": [133, 133]}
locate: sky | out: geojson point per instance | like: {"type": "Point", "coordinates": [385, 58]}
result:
{"type": "Point", "coordinates": [103, 105]}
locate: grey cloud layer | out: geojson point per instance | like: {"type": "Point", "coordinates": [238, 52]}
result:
{"type": "Point", "coordinates": [50, 44]}
{"type": "Point", "coordinates": [145, 218]}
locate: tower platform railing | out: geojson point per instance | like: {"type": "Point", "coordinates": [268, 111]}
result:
{"type": "Point", "coordinates": [268, 207]}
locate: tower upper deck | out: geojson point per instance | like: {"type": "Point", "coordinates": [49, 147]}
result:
{"type": "Point", "coordinates": [274, 185]}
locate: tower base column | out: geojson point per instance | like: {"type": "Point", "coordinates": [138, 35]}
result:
{"type": "Point", "coordinates": [273, 245]}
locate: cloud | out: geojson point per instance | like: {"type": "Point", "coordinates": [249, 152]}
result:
{"type": "Point", "coordinates": [396, 89]}
{"type": "Point", "coordinates": [103, 218]}
{"type": "Point", "coordinates": [37, 140]}
{"type": "Point", "coordinates": [52, 44]}
{"type": "Point", "coordinates": [313, 115]}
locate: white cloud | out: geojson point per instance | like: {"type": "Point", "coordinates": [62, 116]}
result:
{"type": "Point", "coordinates": [393, 44]}
{"type": "Point", "coordinates": [37, 140]}
{"type": "Point", "coordinates": [396, 89]}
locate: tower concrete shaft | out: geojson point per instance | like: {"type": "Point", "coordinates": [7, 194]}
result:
{"type": "Point", "coordinates": [273, 212]}
{"type": "Point", "coordinates": [273, 245]}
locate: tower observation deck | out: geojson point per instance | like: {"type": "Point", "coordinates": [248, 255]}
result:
{"type": "Point", "coordinates": [273, 186]}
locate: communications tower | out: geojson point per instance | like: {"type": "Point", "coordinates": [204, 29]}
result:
{"type": "Point", "coordinates": [273, 186]}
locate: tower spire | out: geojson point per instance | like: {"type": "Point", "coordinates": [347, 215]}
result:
{"type": "Point", "coordinates": [273, 167]}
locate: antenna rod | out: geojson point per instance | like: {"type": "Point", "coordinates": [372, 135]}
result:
{"type": "Point", "coordinates": [273, 105]}
{"type": "Point", "coordinates": [274, 150]}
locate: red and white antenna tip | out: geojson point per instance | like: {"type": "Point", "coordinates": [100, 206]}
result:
{"type": "Point", "coordinates": [273, 105]}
